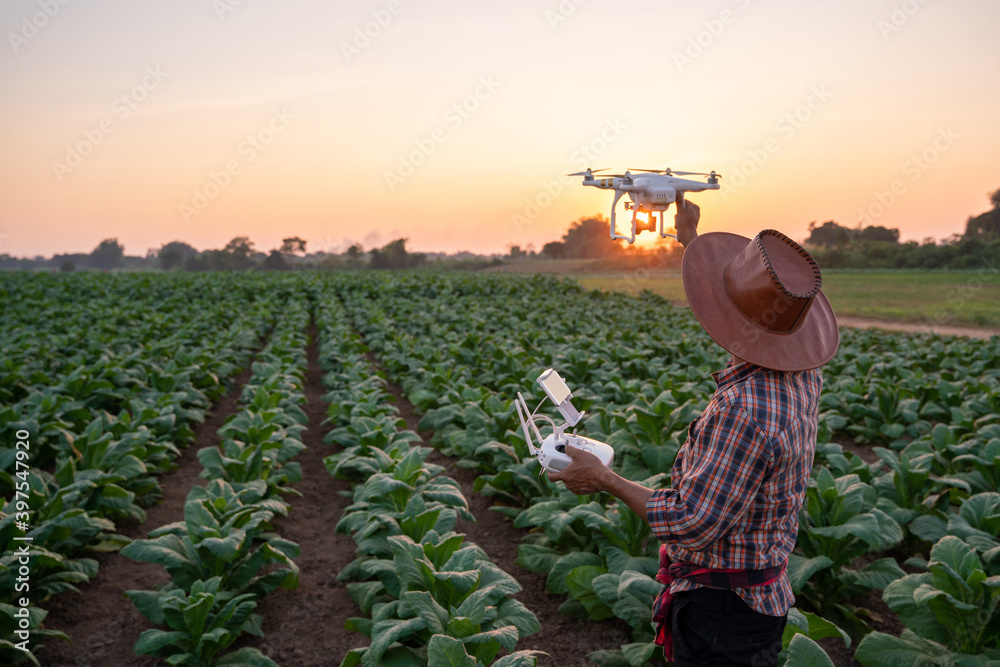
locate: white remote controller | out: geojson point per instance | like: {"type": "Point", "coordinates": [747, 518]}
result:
{"type": "Point", "coordinates": [552, 453]}
{"type": "Point", "coordinates": [554, 458]}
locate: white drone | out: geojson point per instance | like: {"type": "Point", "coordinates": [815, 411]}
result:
{"type": "Point", "coordinates": [652, 190]}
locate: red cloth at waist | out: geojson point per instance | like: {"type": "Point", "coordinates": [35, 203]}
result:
{"type": "Point", "coordinates": [719, 578]}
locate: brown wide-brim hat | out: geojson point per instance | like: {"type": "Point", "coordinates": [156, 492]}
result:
{"type": "Point", "coordinates": [760, 299]}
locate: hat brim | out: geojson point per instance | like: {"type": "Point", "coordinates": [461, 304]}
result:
{"type": "Point", "coordinates": [810, 346]}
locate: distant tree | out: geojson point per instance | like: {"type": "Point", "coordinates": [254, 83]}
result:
{"type": "Point", "coordinates": [985, 227]}
{"type": "Point", "coordinates": [354, 256]}
{"type": "Point", "coordinates": [197, 263]}
{"type": "Point", "coordinates": [68, 266]}
{"type": "Point", "coordinates": [878, 233]}
{"type": "Point", "coordinates": [332, 262]}
{"type": "Point", "coordinates": [554, 250]}
{"type": "Point", "coordinates": [293, 245]}
{"type": "Point", "coordinates": [395, 256]}
{"type": "Point", "coordinates": [829, 235]}
{"type": "Point", "coordinates": [239, 253]}
{"type": "Point", "coordinates": [588, 238]}
{"type": "Point", "coordinates": [276, 261]}
{"type": "Point", "coordinates": [109, 254]}
{"type": "Point", "coordinates": [514, 252]}
{"type": "Point", "coordinates": [173, 254]}
{"type": "Point", "coordinates": [240, 246]}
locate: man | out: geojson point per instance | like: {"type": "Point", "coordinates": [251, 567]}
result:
{"type": "Point", "coordinates": [730, 518]}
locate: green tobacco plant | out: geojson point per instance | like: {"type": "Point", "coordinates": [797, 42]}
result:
{"type": "Point", "coordinates": [646, 442]}
{"type": "Point", "coordinates": [435, 588]}
{"type": "Point", "coordinates": [372, 530]}
{"type": "Point", "coordinates": [10, 651]}
{"type": "Point", "coordinates": [839, 522]}
{"type": "Point", "coordinates": [407, 478]}
{"type": "Point", "coordinates": [202, 623]}
{"type": "Point", "coordinates": [52, 573]}
{"type": "Point", "coordinates": [516, 486]}
{"type": "Point", "coordinates": [376, 443]}
{"type": "Point", "coordinates": [118, 476]}
{"type": "Point", "coordinates": [977, 522]}
{"type": "Point", "coordinates": [909, 490]}
{"type": "Point", "coordinates": [985, 466]}
{"type": "Point", "coordinates": [952, 613]}
{"type": "Point", "coordinates": [59, 522]}
{"type": "Point", "coordinates": [832, 456]}
{"type": "Point", "coordinates": [223, 535]}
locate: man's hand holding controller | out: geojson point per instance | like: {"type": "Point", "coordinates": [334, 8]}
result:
{"type": "Point", "coordinates": [686, 219]}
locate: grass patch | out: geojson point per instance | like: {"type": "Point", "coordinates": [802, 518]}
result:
{"type": "Point", "coordinates": [955, 298]}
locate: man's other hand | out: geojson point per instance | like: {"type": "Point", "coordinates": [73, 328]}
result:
{"type": "Point", "coordinates": [686, 219]}
{"type": "Point", "coordinates": [584, 475]}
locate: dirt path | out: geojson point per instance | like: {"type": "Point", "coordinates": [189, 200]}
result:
{"type": "Point", "coordinates": [566, 640]}
{"type": "Point", "coordinates": [305, 628]}
{"type": "Point", "coordinates": [914, 327]}
{"type": "Point", "coordinates": [103, 624]}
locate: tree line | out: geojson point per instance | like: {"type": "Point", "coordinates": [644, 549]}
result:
{"type": "Point", "coordinates": [838, 247]}
{"type": "Point", "coordinates": [240, 254]}
{"type": "Point", "coordinates": [834, 246]}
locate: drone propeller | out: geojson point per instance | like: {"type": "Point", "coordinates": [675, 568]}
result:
{"type": "Point", "coordinates": [588, 172]}
{"type": "Point", "coordinates": [657, 171]}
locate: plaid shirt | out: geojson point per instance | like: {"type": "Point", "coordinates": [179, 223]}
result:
{"type": "Point", "coordinates": [739, 481]}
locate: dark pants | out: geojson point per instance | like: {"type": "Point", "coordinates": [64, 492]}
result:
{"type": "Point", "coordinates": [711, 626]}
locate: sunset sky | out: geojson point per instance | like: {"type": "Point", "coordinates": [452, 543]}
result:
{"type": "Point", "coordinates": [452, 123]}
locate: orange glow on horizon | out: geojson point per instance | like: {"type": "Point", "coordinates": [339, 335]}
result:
{"type": "Point", "coordinates": [153, 123]}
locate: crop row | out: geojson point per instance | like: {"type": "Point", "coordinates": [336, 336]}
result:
{"type": "Point", "coordinates": [107, 396]}
{"type": "Point", "coordinates": [223, 557]}
{"type": "Point", "coordinates": [429, 595]}
{"type": "Point", "coordinates": [458, 358]}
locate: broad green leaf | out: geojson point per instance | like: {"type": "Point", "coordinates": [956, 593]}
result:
{"type": "Point", "coordinates": [448, 652]}
{"type": "Point", "coordinates": [556, 581]}
{"type": "Point", "coordinates": [804, 652]}
{"type": "Point", "coordinates": [801, 569]}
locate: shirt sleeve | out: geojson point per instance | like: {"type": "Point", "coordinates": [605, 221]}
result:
{"type": "Point", "coordinates": [725, 461]}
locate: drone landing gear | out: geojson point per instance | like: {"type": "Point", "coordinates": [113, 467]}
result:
{"type": "Point", "coordinates": [638, 225]}
{"type": "Point", "coordinates": [650, 224]}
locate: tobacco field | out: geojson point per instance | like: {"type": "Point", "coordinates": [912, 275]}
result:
{"type": "Point", "coordinates": [327, 468]}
